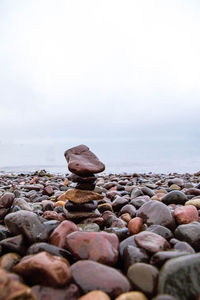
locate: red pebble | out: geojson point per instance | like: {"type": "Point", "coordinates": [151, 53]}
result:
{"type": "Point", "coordinates": [186, 214]}
{"type": "Point", "coordinates": [135, 225]}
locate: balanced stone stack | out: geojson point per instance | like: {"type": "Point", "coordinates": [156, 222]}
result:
{"type": "Point", "coordinates": [81, 201]}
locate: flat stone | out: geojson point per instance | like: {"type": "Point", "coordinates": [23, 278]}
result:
{"type": "Point", "coordinates": [58, 236]}
{"type": "Point", "coordinates": [90, 206]}
{"type": "Point", "coordinates": [99, 277]}
{"type": "Point", "coordinates": [89, 227]}
{"type": "Point", "coordinates": [70, 292]}
{"type": "Point", "coordinates": [51, 249]}
{"type": "Point", "coordinates": [78, 215]}
{"type": "Point", "coordinates": [180, 277]}
{"type": "Point", "coordinates": [159, 258]}
{"type": "Point", "coordinates": [144, 277]}
{"type": "Point", "coordinates": [174, 197]}
{"type": "Point", "coordinates": [83, 179]}
{"type": "Point", "coordinates": [45, 269]}
{"type": "Point", "coordinates": [151, 242]}
{"type": "Point", "coordinates": [82, 162]}
{"type": "Point", "coordinates": [81, 196]}
{"type": "Point", "coordinates": [189, 233]}
{"type": "Point", "coordinates": [154, 212]}
{"type": "Point", "coordinates": [161, 230]}
{"type": "Point", "coordinates": [28, 224]}
{"type": "Point", "coordinates": [98, 246]}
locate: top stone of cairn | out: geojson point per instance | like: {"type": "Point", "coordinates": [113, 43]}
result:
{"type": "Point", "coordinates": [82, 162]}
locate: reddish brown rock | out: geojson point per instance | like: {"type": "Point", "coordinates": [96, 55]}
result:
{"type": "Point", "coordinates": [90, 275]}
{"type": "Point", "coordinates": [12, 289]}
{"type": "Point", "coordinates": [58, 236]}
{"type": "Point", "coordinates": [8, 261]}
{"type": "Point", "coordinates": [48, 293]}
{"type": "Point", "coordinates": [135, 225]}
{"type": "Point", "coordinates": [98, 246]}
{"type": "Point", "coordinates": [6, 200]}
{"type": "Point", "coordinates": [151, 242]}
{"type": "Point", "coordinates": [80, 196]}
{"type": "Point", "coordinates": [48, 190]}
{"type": "Point", "coordinates": [186, 214]}
{"type": "Point", "coordinates": [53, 215]}
{"type": "Point", "coordinates": [82, 162]}
{"type": "Point", "coordinates": [44, 268]}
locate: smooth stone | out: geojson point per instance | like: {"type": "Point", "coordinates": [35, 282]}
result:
{"type": "Point", "coordinates": [70, 292]}
{"type": "Point", "coordinates": [139, 201]}
{"type": "Point", "coordinates": [54, 215]}
{"type": "Point", "coordinates": [189, 233]}
{"type": "Point", "coordinates": [186, 214]}
{"type": "Point", "coordinates": [77, 215]}
{"type": "Point", "coordinates": [80, 196]}
{"type": "Point", "coordinates": [161, 230]}
{"type": "Point", "coordinates": [159, 258]}
{"type": "Point", "coordinates": [147, 191]}
{"type": "Point", "coordinates": [83, 162]}
{"type": "Point", "coordinates": [132, 296]}
{"type": "Point", "coordinates": [125, 217]}
{"type": "Point", "coordinates": [130, 241]}
{"type": "Point", "coordinates": [174, 197]}
{"type": "Point", "coordinates": [81, 179]}
{"type": "Point", "coordinates": [128, 208]}
{"type": "Point", "coordinates": [14, 244]}
{"type": "Point", "coordinates": [85, 186]}
{"type": "Point", "coordinates": [177, 181]}
{"type": "Point", "coordinates": [136, 193]}
{"type": "Point", "coordinates": [99, 221]}
{"type": "Point", "coordinates": [51, 225]}
{"type": "Point", "coordinates": [135, 225]}
{"type": "Point", "coordinates": [32, 187]}
{"type": "Point", "coordinates": [6, 200]}
{"type": "Point", "coordinates": [23, 204]}
{"type": "Point", "coordinates": [99, 277]}
{"type": "Point", "coordinates": [193, 191]}
{"type": "Point", "coordinates": [164, 297]}
{"type": "Point", "coordinates": [59, 203]}
{"type": "Point", "coordinates": [194, 202]}
{"type": "Point", "coordinates": [156, 213]}
{"type": "Point", "coordinates": [104, 207]}
{"type": "Point", "coordinates": [183, 246]}
{"type": "Point", "coordinates": [90, 227]}
{"type": "Point", "coordinates": [45, 269]}
{"type": "Point", "coordinates": [8, 261]}
{"type": "Point", "coordinates": [47, 205]}
{"type": "Point", "coordinates": [95, 295]}
{"type": "Point", "coordinates": [119, 202]}
{"type": "Point", "coordinates": [70, 206]}
{"type": "Point", "coordinates": [180, 277]}
{"type": "Point", "coordinates": [28, 224]}
{"type": "Point", "coordinates": [51, 249]}
{"type": "Point", "coordinates": [13, 289]}
{"type": "Point", "coordinates": [4, 233]}
{"type": "Point", "coordinates": [132, 255]}
{"type": "Point", "coordinates": [48, 190]}
{"type": "Point", "coordinates": [121, 233]}
{"type": "Point", "coordinates": [98, 246]}
{"type": "Point", "coordinates": [58, 236]}
{"type": "Point", "coordinates": [151, 242]}
{"type": "Point", "coordinates": [144, 277]}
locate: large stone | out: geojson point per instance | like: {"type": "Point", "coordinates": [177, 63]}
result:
{"type": "Point", "coordinates": [45, 269]}
{"type": "Point", "coordinates": [90, 275]}
{"type": "Point", "coordinates": [151, 242]}
{"type": "Point", "coordinates": [159, 258]}
{"type": "Point", "coordinates": [82, 162]}
{"type": "Point", "coordinates": [186, 214]}
{"type": "Point", "coordinates": [180, 277]}
{"type": "Point", "coordinates": [6, 200]}
{"type": "Point", "coordinates": [28, 224]}
{"type": "Point", "coordinates": [80, 196]}
{"type": "Point", "coordinates": [174, 197]}
{"type": "Point", "coordinates": [49, 293]}
{"type": "Point", "coordinates": [98, 246]}
{"type": "Point", "coordinates": [154, 212]}
{"type": "Point", "coordinates": [189, 233]}
{"type": "Point", "coordinates": [79, 215]}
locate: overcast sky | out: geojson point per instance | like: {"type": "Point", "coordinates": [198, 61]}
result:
{"type": "Point", "coordinates": [106, 68]}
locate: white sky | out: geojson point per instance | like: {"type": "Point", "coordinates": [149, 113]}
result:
{"type": "Point", "coordinates": [105, 68]}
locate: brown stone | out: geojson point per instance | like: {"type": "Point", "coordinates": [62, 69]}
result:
{"type": "Point", "coordinates": [48, 190]}
{"type": "Point", "coordinates": [90, 275]}
{"type": "Point", "coordinates": [44, 268]}
{"type": "Point", "coordinates": [58, 236]}
{"type": "Point", "coordinates": [12, 289]}
{"type": "Point", "coordinates": [135, 225]}
{"type": "Point", "coordinates": [98, 246]}
{"type": "Point", "coordinates": [132, 296]}
{"type": "Point", "coordinates": [151, 242]}
{"type": "Point", "coordinates": [6, 200]}
{"type": "Point", "coordinates": [8, 261]}
{"type": "Point", "coordinates": [79, 215]}
{"type": "Point", "coordinates": [53, 215]}
{"type": "Point", "coordinates": [80, 196]}
{"type": "Point", "coordinates": [82, 162]}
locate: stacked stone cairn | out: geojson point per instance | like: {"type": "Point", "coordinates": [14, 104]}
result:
{"type": "Point", "coordinates": [82, 201]}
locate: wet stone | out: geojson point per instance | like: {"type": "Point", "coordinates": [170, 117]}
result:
{"type": "Point", "coordinates": [121, 233]}
{"type": "Point", "coordinates": [186, 214]}
{"type": "Point", "coordinates": [151, 242]}
{"type": "Point", "coordinates": [189, 233]}
{"type": "Point", "coordinates": [130, 241]}
{"type": "Point", "coordinates": [70, 292]}
{"type": "Point", "coordinates": [174, 197]}
{"type": "Point", "coordinates": [58, 236]}
{"type": "Point", "coordinates": [80, 196]}
{"type": "Point", "coordinates": [161, 230]}
{"type": "Point", "coordinates": [70, 206]}
{"type": "Point", "coordinates": [132, 255]}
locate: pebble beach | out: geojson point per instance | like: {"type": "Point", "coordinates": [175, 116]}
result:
{"type": "Point", "coordinates": [90, 235]}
